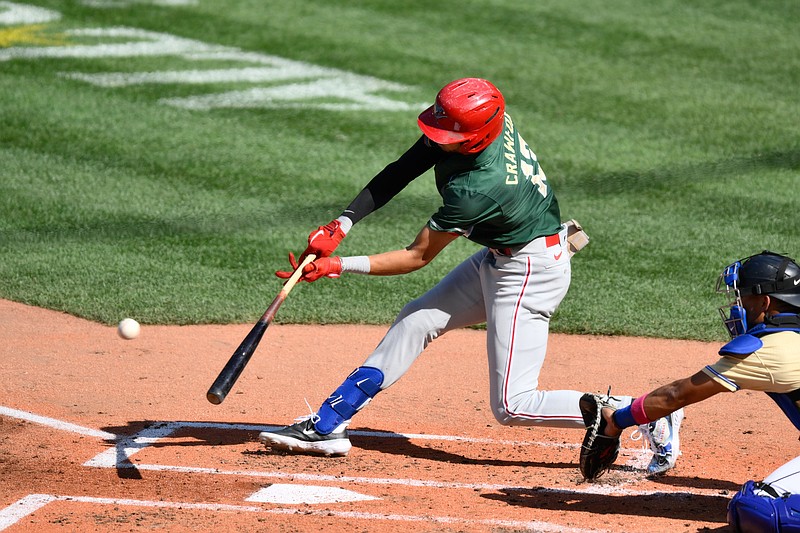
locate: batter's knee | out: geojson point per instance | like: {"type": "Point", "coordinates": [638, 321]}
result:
{"type": "Point", "coordinates": [540, 408]}
{"type": "Point", "coordinates": [409, 309]}
{"type": "Point", "coordinates": [419, 321]}
{"type": "Point", "coordinates": [503, 417]}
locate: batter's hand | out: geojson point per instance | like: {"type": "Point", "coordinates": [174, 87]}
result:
{"type": "Point", "coordinates": [330, 267]}
{"type": "Point", "coordinates": [323, 241]}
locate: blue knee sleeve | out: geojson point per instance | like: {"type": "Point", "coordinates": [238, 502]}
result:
{"type": "Point", "coordinates": [358, 389]}
{"type": "Point", "coordinates": [749, 512]}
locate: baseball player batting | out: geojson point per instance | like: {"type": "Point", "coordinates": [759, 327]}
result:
{"type": "Point", "coordinates": [494, 193]}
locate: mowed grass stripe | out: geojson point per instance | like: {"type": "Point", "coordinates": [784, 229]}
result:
{"type": "Point", "coordinates": [669, 131]}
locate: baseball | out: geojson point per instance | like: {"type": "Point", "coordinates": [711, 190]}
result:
{"type": "Point", "coordinates": [128, 329]}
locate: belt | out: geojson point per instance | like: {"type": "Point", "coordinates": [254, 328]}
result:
{"type": "Point", "coordinates": [550, 240]}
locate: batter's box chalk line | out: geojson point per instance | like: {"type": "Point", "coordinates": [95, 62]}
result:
{"type": "Point", "coordinates": [125, 447]}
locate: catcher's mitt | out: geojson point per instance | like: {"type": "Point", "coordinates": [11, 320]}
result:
{"type": "Point", "coordinates": [598, 451]}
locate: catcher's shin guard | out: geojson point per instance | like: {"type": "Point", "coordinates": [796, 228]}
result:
{"type": "Point", "coordinates": [749, 512]}
{"type": "Point", "coordinates": [598, 451]}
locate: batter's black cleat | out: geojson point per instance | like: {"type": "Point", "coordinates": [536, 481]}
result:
{"type": "Point", "coordinates": [302, 437]}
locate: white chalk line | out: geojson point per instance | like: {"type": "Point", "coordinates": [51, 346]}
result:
{"type": "Point", "coordinates": [590, 488]}
{"type": "Point", "coordinates": [55, 423]}
{"type": "Point", "coordinates": [33, 502]}
{"type": "Point", "coordinates": [119, 455]}
{"type": "Point", "coordinates": [22, 508]}
{"type": "Point", "coordinates": [176, 425]}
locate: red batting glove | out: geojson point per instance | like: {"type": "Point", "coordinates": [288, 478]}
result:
{"type": "Point", "coordinates": [286, 275]}
{"type": "Point", "coordinates": [324, 240]}
{"type": "Point", "coordinates": [330, 267]}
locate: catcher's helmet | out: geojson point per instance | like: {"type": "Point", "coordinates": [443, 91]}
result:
{"type": "Point", "coordinates": [775, 275]}
{"type": "Point", "coordinates": [468, 111]}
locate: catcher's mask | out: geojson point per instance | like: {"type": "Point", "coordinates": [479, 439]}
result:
{"type": "Point", "coordinates": [767, 273]}
{"type": "Point", "coordinates": [469, 111]}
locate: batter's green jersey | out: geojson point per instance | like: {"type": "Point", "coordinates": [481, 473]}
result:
{"type": "Point", "coordinates": [498, 198]}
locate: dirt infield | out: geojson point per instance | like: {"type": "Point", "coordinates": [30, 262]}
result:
{"type": "Point", "coordinates": [102, 434]}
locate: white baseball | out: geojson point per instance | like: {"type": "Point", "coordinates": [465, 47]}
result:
{"type": "Point", "coordinates": [128, 329]}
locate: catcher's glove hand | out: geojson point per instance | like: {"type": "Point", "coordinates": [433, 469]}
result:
{"type": "Point", "coordinates": [598, 451]}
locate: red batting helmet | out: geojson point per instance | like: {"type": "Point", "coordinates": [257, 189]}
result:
{"type": "Point", "coordinates": [468, 111]}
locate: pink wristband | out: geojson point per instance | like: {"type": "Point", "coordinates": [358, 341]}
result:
{"type": "Point", "coordinates": [637, 410]}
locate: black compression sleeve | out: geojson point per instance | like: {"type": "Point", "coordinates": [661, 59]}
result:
{"type": "Point", "coordinates": [393, 179]}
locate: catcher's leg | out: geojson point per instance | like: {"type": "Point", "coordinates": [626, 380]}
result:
{"type": "Point", "coordinates": [769, 505]}
{"type": "Point", "coordinates": [759, 507]}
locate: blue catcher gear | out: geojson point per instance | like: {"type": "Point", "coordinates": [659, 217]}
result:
{"type": "Point", "coordinates": [750, 341]}
{"type": "Point", "coordinates": [357, 390]}
{"type": "Point", "coordinates": [748, 512]}
{"type": "Point", "coordinates": [767, 273]}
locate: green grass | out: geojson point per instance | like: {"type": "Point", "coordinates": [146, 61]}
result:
{"type": "Point", "coordinates": [668, 130]}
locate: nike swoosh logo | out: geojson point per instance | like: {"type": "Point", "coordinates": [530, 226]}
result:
{"type": "Point", "coordinates": [796, 282]}
{"type": "Point", "coordinates": [317, 234]}
{"type": "Point", "coordinates": [557, 257]}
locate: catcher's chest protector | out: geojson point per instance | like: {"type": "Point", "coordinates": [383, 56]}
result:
{"type": "Point", "coordinates": [746, 344]}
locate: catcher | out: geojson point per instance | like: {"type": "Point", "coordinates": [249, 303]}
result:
{"type": "Point", "coordinates": [763, 320]}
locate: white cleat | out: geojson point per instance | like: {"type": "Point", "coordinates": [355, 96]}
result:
{"type": "Point", "coordinates": [665, 443]}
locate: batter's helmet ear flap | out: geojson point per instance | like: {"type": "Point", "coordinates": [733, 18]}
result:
{"type": "Point", "coordinates": [470, 111]}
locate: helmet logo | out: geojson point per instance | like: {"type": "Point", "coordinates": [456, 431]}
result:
{"type": "Point", "coordinates": [440, 114]}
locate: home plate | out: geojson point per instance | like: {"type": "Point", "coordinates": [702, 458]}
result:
{"type": "Point", "coordinates": [283, 493]}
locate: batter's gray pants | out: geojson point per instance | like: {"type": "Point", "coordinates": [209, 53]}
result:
{"type": "Point", "coordinates": [516, 296]}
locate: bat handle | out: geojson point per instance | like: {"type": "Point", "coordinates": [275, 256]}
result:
{"type": "Point", "coordinates": [297, 274]}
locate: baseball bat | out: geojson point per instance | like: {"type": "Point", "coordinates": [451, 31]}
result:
{"type": "Point", "coordinates": [230, 373]}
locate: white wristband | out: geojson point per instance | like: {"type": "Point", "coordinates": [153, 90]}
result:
{"type": "Point", "coordinates": [358, 264]}
{"type": "Point", "coordinates": [346, 223]}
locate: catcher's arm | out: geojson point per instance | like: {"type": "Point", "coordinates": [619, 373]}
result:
{"type": "Point", "coordinates": [681, 393]}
